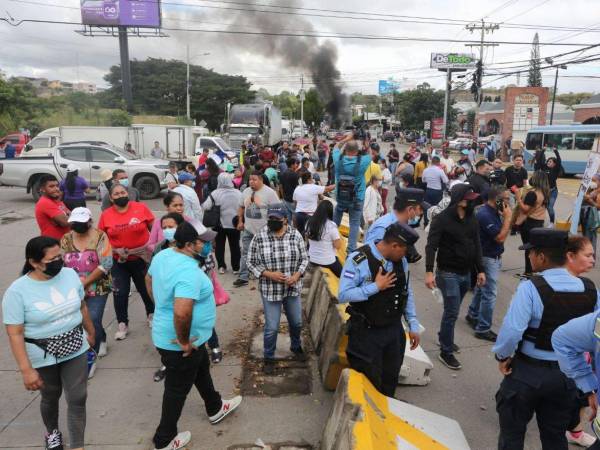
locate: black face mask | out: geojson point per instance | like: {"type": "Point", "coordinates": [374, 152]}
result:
{"type": "Point", "coordinates": [470, 208]}
{"type": "Point", "coordinates": [53, 268]}
{"type": "Point", "coordinates": [274, 225]}
{"type": "Point", "coordinates": [121, 202]}
{"type": "Point", "coordinates": [80, 227]}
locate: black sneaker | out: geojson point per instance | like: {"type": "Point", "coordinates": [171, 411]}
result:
{"type": "Point", "coordinates": [216, 355]}
{"type": "Point", "coordinates": [268, 366]}
{"type": "Point", "coordinates": [449, 361]}
{"type": "Point", "coordinates": [299, 355]}
{"type": "Point", "coordinates": [486, 335]}
{"type": "Point", "coordinates": [159, 375]}
{"type": "Point", "coordinates": [471, 321]}
{"type": "Point", "coordinates": [455, 348]}
{"type": "Point", "coordinates": [54, 440]}
{"type": "Point", "coordinates": [240, 282]}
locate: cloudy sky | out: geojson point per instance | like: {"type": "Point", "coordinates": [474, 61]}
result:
{"type": "Point", "coordinates": [57, 52]}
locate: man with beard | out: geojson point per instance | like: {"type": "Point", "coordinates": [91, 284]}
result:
{"type": "Point", "coordinates": [454, 236]}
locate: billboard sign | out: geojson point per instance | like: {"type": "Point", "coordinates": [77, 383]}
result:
{"type": "Point", "coordinates": [437, 128]}
{"type": "Point", "coordinates": [453, 61]}
{"type": "Point", "coordinates": [388, 87]}
{"type": "Point", "coordinates": [129, 13]}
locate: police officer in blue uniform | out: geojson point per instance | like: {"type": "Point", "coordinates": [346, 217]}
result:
{"type": "Point", "coordinates": [533, 381]}
{"type": "Point", "coordinates": [376, 282]}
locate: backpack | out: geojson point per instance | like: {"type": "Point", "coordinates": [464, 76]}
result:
{"type": "Point", "coordinates": [346, 184]}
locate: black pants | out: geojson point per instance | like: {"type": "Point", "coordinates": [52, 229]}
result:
{"type": "Point", "coordinates": [122, 274]}
{"type": "Point", "coordinates": [301, 219]}
{"type": "Point", "coordinates": [377, 353]}
{"type": "Point", "coordinates": [525, 229]}
{"type": "Point", "coordinates": [72, 204]}
{"type": "Point", "coordinates": [233, 236]}
{"type": "Point", "coordinates": [181, 374]}
{"type": "Point", "coordinates": [335, 267]}
{"type": "Point", "coordinates": [530, 389]}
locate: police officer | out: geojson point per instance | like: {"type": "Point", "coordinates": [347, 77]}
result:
{"type": "Point", "coordinates": [375, 280]}
{"type": "Point", "coordinates": [533, 382]}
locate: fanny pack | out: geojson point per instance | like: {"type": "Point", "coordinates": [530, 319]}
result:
{"type": "Point", "coordinates": [60, 345]}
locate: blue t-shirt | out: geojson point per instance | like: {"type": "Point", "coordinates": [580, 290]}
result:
{"type": "Point", "coordinates": [490, 225]}
{"type": "Point", "coordinates": [348, 168]}
{"type": "Point", "coordinates": [45, 308]}
{"type": "Point", "coordinates": [175, 275]}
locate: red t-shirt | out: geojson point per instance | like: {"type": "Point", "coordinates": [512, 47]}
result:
{"type": "Point", "coordinates": [45, 210]}
{"type": "Point", "coordinates": [128, 229]}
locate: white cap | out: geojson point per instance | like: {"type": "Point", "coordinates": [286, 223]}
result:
{"type": "Point", "coordinates": [80, 214]}
{"type": "Point", "coordinates": [72, 168]}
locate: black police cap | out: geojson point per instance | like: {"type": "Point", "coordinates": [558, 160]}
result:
{"type": "Point", "coordinates": [546, 238]}
{"type": "Point", "coordinates": [409, 196]}
{"type": "Point", "coordinates": [401, 232]}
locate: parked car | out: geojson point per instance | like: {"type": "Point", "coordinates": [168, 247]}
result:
{"type": "Point", "coordinates": [460, 143]}
{"type": "Point", "coordinates": [388, 136]}
{"type": "Point", "coordinates": [147, 175]}
{"type": "Point", "coordinates": [19, 140]}
{"type": "Point", "coordinates": [331, 134]}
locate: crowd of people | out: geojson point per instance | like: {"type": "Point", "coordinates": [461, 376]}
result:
{"type": "Point", "coordinates": [274, 212]}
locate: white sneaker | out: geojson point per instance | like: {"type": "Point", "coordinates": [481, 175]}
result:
{"type": "Point", "coordinates": [103, 350]}
{"type": "Point", "coordinates": [236, 272]}
{"type": "Point", "coordinates": [179, 441]}
{"type": "Point", "coordinates": [92, 370]}
{"type": "Point", "coordinates": [584, 440]}
{"type": "Point", "coordinates": [122, 331]}
{"type": "Point", "coordinates": [221, 270]}
{"type": "Point", "coordinates": [150, 318]}
{"type": "Point", "coordinates": [227, 407]}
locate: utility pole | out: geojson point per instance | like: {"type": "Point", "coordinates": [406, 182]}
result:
{"type": "Point", "coordinates": [484, 28]}
{"type": "Point", "coordinates": [302, 104]}
{"type": "Point", "coordinates": [187, 82]}
{"type": "Point", "coordinates": [447, 103]}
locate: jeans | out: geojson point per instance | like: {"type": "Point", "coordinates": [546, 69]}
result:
{"type": "Point", "coordinates": [293, 311]}
{"type": "Point", "coordinates": [525, 228]}
{"type": "Point", "coordinates": [393, 166]}
{"type": "Point", "coordinates": [551, 202]}
{"type": "Point", "coordinates": [322, 162]}
{"type": "Point", "coordinates": [181, 374]}
{"type": "Point", "coordinates": [95, 306]}
{"type": "Point", "coordinates": [355, 211]}
{"type": "Point", "coordinates": [246, 239]}
{"type": "Point", "coordinates": [233, 236]}
{"type": "Point", "coordinates": [122, 274]}
{"type": "Point", "coordinates": [290, 208]}
{"type": "Point", "coordinates": [71, 376]}
{"type": "Point", "coordinates": [454, 286]}
{"type": "Point", "coordinates": [484, 297]}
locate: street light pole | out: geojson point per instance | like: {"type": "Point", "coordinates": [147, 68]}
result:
{"type": "Point", "coordinates": [187, 82]}
{"type": "Point", "coordinates": [559, 66]}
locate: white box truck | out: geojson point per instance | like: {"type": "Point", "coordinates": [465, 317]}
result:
{"type": "Point", "coordinates": [260, 122]}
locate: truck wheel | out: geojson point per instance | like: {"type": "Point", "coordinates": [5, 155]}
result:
{"type": "Point", "coordinates": [35, 189]}
{"type": "Point", "coordinates": [148, 186]}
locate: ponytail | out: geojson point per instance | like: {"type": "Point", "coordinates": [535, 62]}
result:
{"type": "Point", "coordinates": [36, 250]}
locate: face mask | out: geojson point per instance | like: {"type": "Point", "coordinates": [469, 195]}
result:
{"type": "Point", "coordinates": [206, 249]}
{"type": "Point", "coordinates": [121, 201]}
{"type": "Point", "coordinates": [80, 227]}
{"type": "Point", "coordinates": [124, 182]}
{"type": "Point", "coordinates": [414, 221]}
{"type": "Point", "coordinates": [274, 225]}
{"type": "Point", "coordinates": [169, 233]}
{"type": "Point", "coordinates": [53, 267]}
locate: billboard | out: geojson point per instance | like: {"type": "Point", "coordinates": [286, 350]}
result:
{"type": "Point", "coordinates": [452, 61]}
{"type": "Point", "coordinates": [130, 13]}
{"type": "Point", "coordinates": [437, 128]}
{"type": "Point", "coordinates": [388, 87]}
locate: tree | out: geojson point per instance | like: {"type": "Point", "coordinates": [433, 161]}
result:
{"type": "Point", "coordinates": [314, 108]}
{"type": "Point", "coordinates": [470, 121]}
{"type": "Point", "coordinates": [573, 98]}
{"type": "Point", "coordinates": [159, 87]}
{"type": "Point", "coordinates": [418, 105]}
{"type": "Point", "coordinates": [534, 78]}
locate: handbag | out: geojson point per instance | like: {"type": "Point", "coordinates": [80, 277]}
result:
{"type": "Point", "coordinates": [212, 216]}
{"type": "Point", "coordinates": [221, 295]}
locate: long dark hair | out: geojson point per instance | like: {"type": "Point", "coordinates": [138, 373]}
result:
{"type": "Point", "coordinates": [170, 197]}
{"type": "Point", "coordinates": [316, 224]}
{"type": "Point", "coordinates": [212, 167]}
{"type": "Point", "coordinates": [36, 250]}
{"type": "Point", "coordinates": [70, 181]}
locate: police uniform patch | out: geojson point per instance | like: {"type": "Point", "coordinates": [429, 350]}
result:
{"type": "Point", "coordinates": [359, 257]}
{"type": "Point", "coordinates": [348, 274]}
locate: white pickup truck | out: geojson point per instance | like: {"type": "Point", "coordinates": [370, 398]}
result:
{"type": "Point", "coordinates": [147, 175]}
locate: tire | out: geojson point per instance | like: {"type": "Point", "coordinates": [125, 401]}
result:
{"type": "Point", "coordinates": [35, 189]}
{"type": "Point", "coordinates": [148, 186]}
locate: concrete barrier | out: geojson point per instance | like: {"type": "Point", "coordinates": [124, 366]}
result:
{"type": "Point", "coordinates": [320, 307]}
{"type": "Point", "coordinates": [364, 419]}
{"type": "Point", "coordinates": [308, 299]}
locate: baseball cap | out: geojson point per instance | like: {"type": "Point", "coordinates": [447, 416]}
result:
{"type": "Point", "coordinates": [463, 191]}
{"type": "Point", "coordinates": [72, 168]}
{"type": "Point", "coordinates": [186, 176]}
{"type": "Point", "coordinates": [546, 238]}
{"type": "Point", "coordinates": [277, 210]}
{"type": "Point", "coordinates": [403, 232]}
{"type": "Point", "coordinates": [80, 214]}
{"type": "Point", "coordinates": [409, 196]}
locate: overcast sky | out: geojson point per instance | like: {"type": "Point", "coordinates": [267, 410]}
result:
{"type": "Point", "coordinates": [57, 52]}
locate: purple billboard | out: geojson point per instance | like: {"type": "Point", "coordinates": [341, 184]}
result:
{"type": "Point", "coordinates": [130, 13]}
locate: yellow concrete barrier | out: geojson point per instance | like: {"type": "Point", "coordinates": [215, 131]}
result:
{"type": "Point", "coordinates": [364, 419]}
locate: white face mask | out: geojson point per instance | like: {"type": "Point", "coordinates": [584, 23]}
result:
{"type": "Point", "coordinates": [593, 185]}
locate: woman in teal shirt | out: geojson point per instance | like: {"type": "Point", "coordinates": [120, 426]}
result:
{"type": "Point", "coordinates": [45, 318]}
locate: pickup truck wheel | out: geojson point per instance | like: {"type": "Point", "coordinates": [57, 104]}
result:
{"type": "Point", "coordinates": [35, 190]}
{"type": "Point", "coordinates": [148, 186]}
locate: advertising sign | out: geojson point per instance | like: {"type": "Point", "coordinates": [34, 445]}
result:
{"type": "Point", "coordinates": [437, 128]}
{"type": "Point", "coordinates": [452, 61]}
{"type": "Point", "coordinates": [388, 87]}
{"type": "Point", "coordinates": [130, 13]}
{"type": "Point", "coordinates": [427, 125]}
{"type": "Point", "coordinates": [591, 169]}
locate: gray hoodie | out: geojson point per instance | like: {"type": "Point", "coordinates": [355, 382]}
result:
{"type": "Point", "coordinates": [227, 197]}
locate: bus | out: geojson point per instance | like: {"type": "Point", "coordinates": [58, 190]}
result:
{"type": "Point", "coordinates": [573, 142]}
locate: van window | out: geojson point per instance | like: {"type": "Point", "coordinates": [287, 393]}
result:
{"type": "Point", "coordinates": [74, 153]}
{"type": "Point", "coordinates": [534, 140]}
{"type": "Point", "coordinates": [562, 141]}
{"type": "Point", "coordinates": [584, 141]}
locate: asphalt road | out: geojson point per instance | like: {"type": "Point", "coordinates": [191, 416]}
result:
{"type": "Point", "coordinates": [124, 402]}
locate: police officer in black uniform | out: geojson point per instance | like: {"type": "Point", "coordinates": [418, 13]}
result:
{"type": "Point", "coordinates": [376, 282]}
{"type": "Point", "coordinates": [533, 381]}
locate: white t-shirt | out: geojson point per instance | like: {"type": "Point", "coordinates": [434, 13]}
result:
{"type": "Point", "coordinates": [306, 197]}
{"type": "Point", "coordinates": [322, 252]}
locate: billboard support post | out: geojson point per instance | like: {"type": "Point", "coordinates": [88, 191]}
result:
{"type": "Point", "coordinates": [447, 102]}
{"type": "Point", "coordinates": [125, 68]}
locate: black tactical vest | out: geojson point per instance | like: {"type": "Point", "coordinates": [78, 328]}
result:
{"type": "Point", "coordinates": [386, 307]}
{"type": "Point", "coordinates": [559, 308]}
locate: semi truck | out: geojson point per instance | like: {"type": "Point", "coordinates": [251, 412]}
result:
{"type": "Point", "coordinates": [259, 122]}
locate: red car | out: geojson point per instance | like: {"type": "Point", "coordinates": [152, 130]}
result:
{"type": "Point", "coordinates": [19, 140]}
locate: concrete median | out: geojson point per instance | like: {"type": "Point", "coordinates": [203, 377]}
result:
{"type": "Point", "coordinates": [364, 419]}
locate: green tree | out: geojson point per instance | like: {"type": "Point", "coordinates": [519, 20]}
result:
{"type": "Point", "coordinates": [573, 98]}
{"type": "Point", "coordinates": [418, 105]}
{"type": "Point", "coordinates": [534, 78]}
{"type": "Point", "coordinates": [314, 108]}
